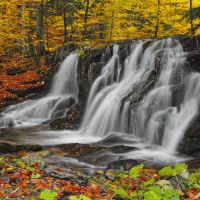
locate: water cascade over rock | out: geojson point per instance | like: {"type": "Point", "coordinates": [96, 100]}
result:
{"type": "Point", "coordinates": [145, 103]}
{"type": "Point", "coordinates": [118, 105]}
{"type": "Point", "coordinates": [63, 94]}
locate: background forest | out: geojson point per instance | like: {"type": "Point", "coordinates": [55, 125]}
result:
{"type": "Point", "coordinates": [31, 27]}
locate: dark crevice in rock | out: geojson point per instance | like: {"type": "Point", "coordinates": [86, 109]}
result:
{"type": "Point", "coordinates": [27, 91]}
{"type": "Point", "coordinates": [10, 147]}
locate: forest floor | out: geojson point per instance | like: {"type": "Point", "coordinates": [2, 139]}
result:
{"type": "Point", "coordinates": [20, 179]}
{"type": "Point", "coordinates": [16, 75]}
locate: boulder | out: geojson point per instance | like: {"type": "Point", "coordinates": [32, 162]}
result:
{"type": "Point", "coordinates": [67, 174]}
{"type": "Point", "coordinates": [32, 159]}
{"type": "Point", "coordinates": [27, 91]}
{"type": "Point", "coordinates": [9, 147]}
{"type": "Point", "coordinates": [125, 164]}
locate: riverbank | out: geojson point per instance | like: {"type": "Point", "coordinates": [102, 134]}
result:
{"type": "Point", "coordinates": [25, 175]}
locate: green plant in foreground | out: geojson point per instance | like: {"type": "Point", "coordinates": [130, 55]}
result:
{"type": "Point", "coordinates": [48, 195]}
{"type": "Point", "coordinates": [194, 180]}
{"type": "Point", "coordinates": [169, 171]}
{"type": "Point", "coordinates": [162, 190]}
{"type": "Point", "coordinates": [134, 171]}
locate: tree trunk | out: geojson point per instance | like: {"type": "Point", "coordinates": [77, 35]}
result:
{"type": "Point", "coordinates": [112, 24]}
{"type": "Point", "coordinates": [40, 26]}
{"type": "Point", "coordinates": [72, 20]}
{"type": "Point", "coordinates": [157, 20]}
{"type": "Point", "coordinates": [23, 47]}
{"type": "Point", "coordinates": [65, 22]}
{"type": "Point", "coordinates": [191, 19]}
{"type": "Point", "coordinates": [30, 33]}
{"type": "Point", "coordinates": [86, 18]}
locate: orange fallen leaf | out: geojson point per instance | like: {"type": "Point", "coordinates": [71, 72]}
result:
{"type": "Point", "coordinates": [22, 184]}
{"type": "Point", "coordinates": [59, 170]}
{"type": "Point", "coordinates": [190, 194]}
{"type": "Point", "coordinates": [25, 171]}
{"type": "Point", "coordinates": [13, 195]}
{"type": "Point", "coordinates": [90, 195]}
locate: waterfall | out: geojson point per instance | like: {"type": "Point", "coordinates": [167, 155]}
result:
{"type": "Point", "coordinates": [104, 111]}
{"type": "Point", "coordinates": [155, 119]}
{"type": "Point", "coordinates": [66, 79]}
{"type": "Point", "coordinates": [146, 103]}
{"type": "Point", "coordinates": [63, 94]}
{"type": "Point", "coordinates": [178, 121]}
{"type": "Point", "coordinates": [108, 75]}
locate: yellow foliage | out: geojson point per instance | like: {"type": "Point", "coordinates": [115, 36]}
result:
{"type": "Point", "coordinates": [108, 19]}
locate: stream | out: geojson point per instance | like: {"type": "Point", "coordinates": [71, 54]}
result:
{"type": "Point", "coordinates": [122, 120]}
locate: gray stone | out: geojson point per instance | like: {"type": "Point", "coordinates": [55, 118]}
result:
{"type": "Point", "coordinates": [67, 174]}
{"type": "Point", "coordinates": [7, 147]}
{"type": "Point", "coordinates": [31, 159]}
{"type": "Point", "coordinates": [125, 164]}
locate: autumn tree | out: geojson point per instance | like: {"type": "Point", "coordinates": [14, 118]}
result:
{"type": "Point", "coordinates": [29, 27]}
{"type": "Point", "coordinates": [192, 15]}
{"type": "Point", "coordinates": [40, 29]}
{"type": "Point", "coordinates": [157, 20]}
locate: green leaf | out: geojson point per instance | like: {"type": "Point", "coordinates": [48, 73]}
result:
{"type": "Point", "coordinates": [9, 168]}
{"type": "Point", "coordinates": [194, 180]}
{"type": "Point", "coordinates": [147, 184]}
{"type": "Point", "coordinates": [34, 176]}
{"type": "Point", "coordinates": [112, 187]}
{"type": "Point", "coordinates": [30, 169]}
{"type": "Point", "coordinates": [151, 196]}
{"type": "Point", "coordinates": [136, 194]}
{"type": "Point", "coordinates": [134, 171]}
{"type": "Point", "coordinates": [122, 193]}
{"type": "Point", "coordinates": [167, 171]}
{"type": "Point", "coordinates": [21, 164]}
{"type": "Point", "coordinates": [1, 158]}
{"type": "Point", "coordinates": [16, 159]}
{"type": "Point", "coordinates": [180, 167]}
{"type": "Point", "coordinates": [81, 197]}
{"type": "Point", "coordinates": [171, 194]}
{"type": "Point", "coordinates": [183, 186]}
{"type": "Point", "coordinates": [48, 195]}
{"type": "Point", "coordinates": [119, 191]}
{"type": "Point", "coordinates": [156, 189]}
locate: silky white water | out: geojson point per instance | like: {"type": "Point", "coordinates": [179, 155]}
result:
{"type": "Point", "coordinates": [152, 123]}
{"type": "Point", "coordinates": [63, 93]}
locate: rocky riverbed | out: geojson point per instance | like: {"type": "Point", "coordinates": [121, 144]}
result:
{"type": "Point", "coordinates": [89, 68]}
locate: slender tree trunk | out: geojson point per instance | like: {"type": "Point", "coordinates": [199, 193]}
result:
{"type": "Point", "coordinates": [157, 21]}
{"type": "Point", "coordinates": [47, 31]}
{"type": "Point", "coordinates": [65, 22]}
{"type": "Point", "coordinates": [101, 27]}
{"type": "Point", "coordinates": [101, 31]}
{"type": "Point", "coordinates": [191, 19]}
{"type": "Point", "coordinates": [40, 27]}
{"type": "Point", "coordinates": [72, 21]}
{"type": "Point", "coordinates": [30, 33]}
{"type": "Point", "coordinates": [112, 24]}
{"type": "Point", "coordinates": [23, 48]}
{"type": "Point", "coordinates": [86, 18]}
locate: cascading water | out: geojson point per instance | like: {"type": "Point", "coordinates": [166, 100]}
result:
{"type": "Point", "coordinates": [107, 77]}
{"type": "Point", "coordinates": [179, 120]}
{"type": "Point", "coordinates": [121, 109]}
{"type": "Point", "coordinates": [63, 95]}
{"type": "Point", "coordinates": [156, 119]}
